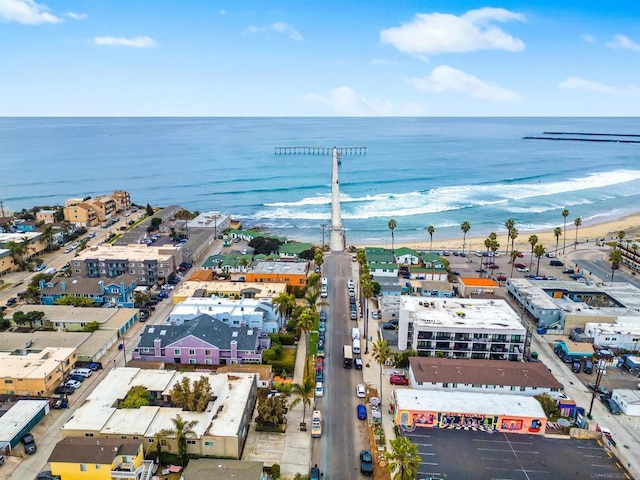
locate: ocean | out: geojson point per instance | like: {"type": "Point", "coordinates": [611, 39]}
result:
{"type": "Point", "coordinates": [418, 171]}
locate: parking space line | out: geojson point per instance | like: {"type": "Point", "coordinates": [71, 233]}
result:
{"type": "Point", "coordinates": [423, 444]}
{"type": "Point", "coordinates": [508, 450]}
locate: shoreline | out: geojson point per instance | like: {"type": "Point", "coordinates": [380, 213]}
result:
{"type": "Point", "coordinates": [586, 232]}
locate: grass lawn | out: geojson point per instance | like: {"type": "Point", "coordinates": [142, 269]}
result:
{"type": "Point", "coordinates": [289, 357]}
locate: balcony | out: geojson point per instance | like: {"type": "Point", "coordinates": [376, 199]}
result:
{"type": "Point", "coordinates": [126, 471]}
{"type": "Point", "coordinates": [461, 347]}
{"type": "Point", "coordinates": [480, 347]}
{"type": "Point", "coordinates": [442, 345]}
{"type": "Point", "coordinates": [461, 337]}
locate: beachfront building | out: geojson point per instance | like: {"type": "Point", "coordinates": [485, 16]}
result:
{"type": "Point", "coordinates": [80, 213]}
{"type": "Point", "coordinates": [149, 265]}
{"type": "Point", "coordinates": [46, 216]}
{"type": "Point", "coordinates": [292, 250]}
{"type": "Point", "coordinates": [34, 373]}
{"type": "Point", "coordinates": [292, 274]}
{"type": "Point", "coordinates": [460, 328]}
{"type": "Point", "coordinates": [117, 292]}
{"type": "Point", "coordinates": [201, 341]}
{"type": "Point", "coordinates": [490, 412]}
{"type": "Point", "coordinates": [630, 255]}
{"type": "Point", "coordinates": [88, 212]}
{"type": "Point", "coordinates": [226, 289]}
{"type": "Point", "coordinates": [407, 256]}
{"type": "Point", "coordinates": [100, 459]}
{"type": "Point", "coordinates": [220, 430]}
{"type": "Point", "coordinates": [253, 313]}
{"type": "Point", "coordinates": [565, 305]}
{"type": "Point", "coordinates": [482, 376]}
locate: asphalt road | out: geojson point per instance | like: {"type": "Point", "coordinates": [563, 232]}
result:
{"type": "Point", "coordinates": [337, 451]}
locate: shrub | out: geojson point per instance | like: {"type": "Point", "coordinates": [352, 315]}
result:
{"type": "Point", "coordinates": [275, 471]}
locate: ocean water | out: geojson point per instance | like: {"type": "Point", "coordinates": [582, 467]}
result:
{"type": "Point", "coordinates": [418, 171]}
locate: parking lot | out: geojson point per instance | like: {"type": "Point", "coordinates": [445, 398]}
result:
{"type": "Point", "coordinates": [456, 454]}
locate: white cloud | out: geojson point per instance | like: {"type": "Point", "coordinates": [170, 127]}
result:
{"type": "Point", "coordinates": [345, 101]}
{"type": "Point", "coordinates": [280, 28]}
{"type": "Point", "coordinates": [381, 61]}
{"type": "Point", "coordinates": [435, 33]}
{"type": "Point", "coordinates": [588, 38]}
{"type": "Point", "coordinates": [448, 79]}
{"type": "Point", "coordinates": [77, 16]}
{"type": "Point", "coordinates": [577, 83]}
{"type": "Point", "coordinates": [137, 42]}
{"type": "Point", "coordinates": [26, 12]}
{"type": "Point", "coordinates": [622, 41]}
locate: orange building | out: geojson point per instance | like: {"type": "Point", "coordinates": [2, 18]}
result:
{"type": "Point", "coordinates": [293, 274]}
{"type": "Point", "coordinates": [470, 285]}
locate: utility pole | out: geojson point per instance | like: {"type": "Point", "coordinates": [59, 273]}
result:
{"type": "Point", "coordinates": [601, 371]}
{"type": "Point", "coordinates": [323, 227]}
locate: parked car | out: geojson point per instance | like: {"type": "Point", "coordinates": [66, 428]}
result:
{"type": "Point", "coordinates": [601, 389]}
{"type": "Point", "coordinates": [77, 378]}
{"type": "Point", "coordinates": [323, 316]}
{"type": "Point", "coordinates": [375, 315]}
{"type": "Point", "coordinates": [611, 405]}
{"type": "Point", "coordinates": [576, 366]}
{"type": "Point", "coordinates": [481, 270]}
{"type": "Point", "coordinates": [388, 326]}
{"type": "Point", "coordinates": [556, 263]}
{"type": "Point", "coordinates": [29, 443]}
{"type": "Point", "coordinates": [366, 463]}
{"type": "Point", "coordinates": [353, 315]}
{"type": "Point", "coordinates": [72, 383]}
{"type": "Point", "coordinates": [319, 389]}
{"type": "Point", "coordinates": [360, 391]}
{"type": "Point", "coordinates": [319, 375]}
{"type": "Point", "coordinates": [361, 411]}
{"type": "Point", "coordinates": [12, 301]}
{"type": "Point", "coordinates": [568, 270]}
{"type": "Point", "coordinates": [493, 266]}
{"type": "Point", "coordinates": [519, 265]}
{"type": "Point", "coordinates": [63, 389]}
{"type": "Point", "coordinates": [523, 269]}
{"type": "Point", "coordinates": [350, 283]}
{"type": "Point", "coordinates": [47, 475]}
{"type": "Point", "coordinates": [399, 380]}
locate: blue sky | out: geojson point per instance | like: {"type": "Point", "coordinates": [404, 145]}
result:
{"type": "Point", "coordinates": [311, 58]}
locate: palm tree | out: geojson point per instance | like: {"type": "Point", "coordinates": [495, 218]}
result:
{"type": "Point", "coordinates": [181, 428]}
{"type": "Point", "coordinates": [533, 239]}
{"type": "Point", "coordinates": [494, 248]}
{"type": "Point", "coordinates": [465, 227]}
{"type": "Point", "coordinates": [158, 438]}
{"type": "Point", "coordinates": [313, 281]}
{"type": "Point", "coordinates": [514, 255]}
{"type": "Point", "coordinates": [312, 299]}
{"type": "Point", "coordinates": [513, 234]}
{"type": "Point", "coordinates": [538, 251]}
{"type": "Point", "coordinates": [367, 292]}
{"type": "Point", "coordinates": [510, 224]}
{"type": "Point", "coordinates": [621, 235]}
{"type": "Point", "coordinates": [47, 236]}
{"type": "Point", "coordinates": [615, 259]}
{"type": "Point", "coordinates": [557, 232]}
{"type": "Point", "coordinates": [380, 354]}
{"type": "Point", "coordinates": [577, 222]}
{"type": "Point", "coordinates": [285, 303]}
{"type": "Point", "coordinates": [303, 391]}
{"type": "Point", "coordinates": [403, 459]}
{"type": "Point", "coordinates": [306, 321]}
{"type": "Point", "coordinates": [565, 214]}
{"type": "Point", "coordinates": [392, 226]}
{"type": "Point", "coordinates": [431, 229]}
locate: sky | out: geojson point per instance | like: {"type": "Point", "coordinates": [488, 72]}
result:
{"type": "Point", "coordinates": [311, 58]}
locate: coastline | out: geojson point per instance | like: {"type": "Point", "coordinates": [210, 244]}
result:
{"type": "Point", "coordinates": [589, 232]}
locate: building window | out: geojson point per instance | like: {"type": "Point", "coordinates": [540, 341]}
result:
{"type": "Point", "coordinates": [191, 442]}
{"type": "Point", "coordinates": [192, 361]}
{"type": "Point", "coordinates": [208, 444]}
{"type": "Point", "coordinates": [176, 351]}
{"type": "Point", "coordinates": [83, 467]}
{"type": "Point", "coordinates": [192, 351]}
{"type": "Point", "coordinates": [97, 466]}
{"type": "Point", "coordinates": [88, 435]}
{"type": "Point", "coordinates": [208, 361]}
{"type": "Point", "coordinates": [207, 352]}
{"type": "Point", "coordinates": [8, 380]}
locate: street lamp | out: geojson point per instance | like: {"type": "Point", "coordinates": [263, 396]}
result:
{"type": "Point", "coordinates": [601, 371]}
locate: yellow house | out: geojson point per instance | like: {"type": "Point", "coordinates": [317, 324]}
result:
{"type": "Point", "coordinates": [76, 458]}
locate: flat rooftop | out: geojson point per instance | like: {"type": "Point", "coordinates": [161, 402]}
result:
{"type": "Point", "coordinates": [108, 318]}
{"type": "Point", "coordinates": [615, 328]}
{"type": "Point", "coordinates": [215, 305]}
{"type": "Point", "coordinates": [295, 268]}
{"type": "Point", "coordinates": [260, 290]}
{"type": "Point", "coordinates": [10, 341]}
{"type": "Point", "coordinates": [35, 364]}
{"type": "Point", "coordinates": [18, 237]}
{"type": "Point", "coordinates": [468, 402]}
{"type": "Point", "coordinates": [17, 416]}
{"type": "Point", "coordinates": [462, 313]}
{"type": "Point", "coordinates": [129, 252]}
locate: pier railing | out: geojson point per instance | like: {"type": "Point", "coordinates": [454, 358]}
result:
{"type": "Point", "coordinates": [320, 150]}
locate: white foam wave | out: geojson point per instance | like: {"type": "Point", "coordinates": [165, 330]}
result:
{"type": "Point", "coordinates": [325, 199]}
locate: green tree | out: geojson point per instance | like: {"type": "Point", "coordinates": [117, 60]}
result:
{"type": "Point", "coordinates": [271, 411]}
{"type": "Point", "coordinates": [510, 225]}
{"type": "Point", "coordinates": [431, 229]}
{"type": "Point", "coordinates": [32, 294]}
{"type": "Point", "coordinates": [318, 258]}
{"type": "Point", "coordinates": [380, 353]}
{"type": "Point", "coordinates": [465, 227]}
{"type": "Point", "coordinates": [548, 404]}
{"type": "Point", "coordinates": [403, 459]}
{"type": "Point", "coordinates": [392, 226]}
{"type": "Point", "coordinates": [141, 298]}
{"type": "Point", "coordinates": [557, 232]}
{"type": "Point", "coordinates": [192, 398]}
{"type": "Point", "coordinates": [615, 259]}
{"type": "Point", "coordinates": [313, 281]}
{"type": "Point", "coordinates": [47, 236]}
{"type": "Point", "coordinates": [75, 301]}
{"type": "Point", "coordinates": [180, 431]}
{"type": "Point", "coordinates": [137, 396]}
{"type": "Point", "coordinates": [306, 321]}
{"type": "Point", "coordinates": [577, 222]}
{"type": "Point", "coordinates": [21, 318]}
{"type": "Point", "coordinates": [539, 251]}
{"type": "Point", "coordinates": [303, 393]}
{"type": "Point", "coordinates": [514, 255]}
{"type": "Point", "coordinates": [620, 235]}
{"type": "Point", "coordinates": [285, 302]}
{"type": "Point", "coordinates": [91, 327]}
{"type": "Point", "coordinates": [565, 214]}
{"type": "Point", "coordinates": [533, 240]}
{"type": "Point", "coordinates": [513, 234]}
{"type": "Point", "coordinates": [149, 210]}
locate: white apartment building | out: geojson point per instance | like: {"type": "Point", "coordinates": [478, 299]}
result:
{"type": "Point", "coordinates": [259, 314]}
{"type": "Point", "coordinates": [461, 328]}
{"type": "Point", "coordinates": [625, 336]}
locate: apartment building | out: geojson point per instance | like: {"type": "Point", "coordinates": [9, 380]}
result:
{"type": "Point", "coordinates": [89, 212]}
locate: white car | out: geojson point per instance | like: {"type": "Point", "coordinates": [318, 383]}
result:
{"type": "Point", "coordinates": [319, 389]}
{"type": "Point", "coordinates": [525, 269]}
{"type": "Point", "coordinates": [360, 391]}
{"type": "Point", "coordinates": [72, 383]}
{"type": "Point", "coordinates": [350, 284]}
{"type": "Point", "coordinates": [374, 315]}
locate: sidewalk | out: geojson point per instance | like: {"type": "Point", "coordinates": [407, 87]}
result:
{"type": "Point", "coordinates": [291, 450]}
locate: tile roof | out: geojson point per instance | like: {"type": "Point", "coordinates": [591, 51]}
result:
{"type": "Point", "coordinates": [483, 372]}
{"type": "Point", "coordinates": [83, 285]}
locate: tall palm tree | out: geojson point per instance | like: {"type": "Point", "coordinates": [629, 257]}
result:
{"type": "Point", "coordinates": [495, 245]}
{"type": "Point", "coordinates": [621, 235]}
{"type": "Point", "coordinates": [513, 234]}
{"type": "Point", "coordinates": [431, 229]}
{"type": "Point", "coordinates": [510, 224]}
{"type": "Point", "coordinates": [312, 299]}
{"type": "Point", "coordinates": [557, 232]}
{"type": "Point", "coordinates": [380, 354]}
{"type": "Point", "coordinates": [366, 285]}
{"type": "Point", "coordinates": [181, 429]}
{"type": "Point", "coordinates": [615, 259]}
{"type": "Point", "coordinates": [313, 281]}
{"type": "Point", "coordinates": [514, 255]}
{"type": "Point", "coordinates": [306, 321]}
{"type": "Point", "coordinates": [47, 236]}
{"type": "Point", "coordinates": [465, 227]}
{"type": "Point", "coordinates": [285, 302]}
{"type": "Point", "coordinates": [533, 240]}
{"type": "Point", "coordinates": [403, 459]}
{"type": "Point", "coordinates": [577, 222]}
{"type": "Point", "coordinates": [539, 251]}
{"type": "Point", "coordinates": [392, 226]}
{"type": "Point", "coordinates": [303, 391]}
{"type": "Point", "coordinates": [565, 214]}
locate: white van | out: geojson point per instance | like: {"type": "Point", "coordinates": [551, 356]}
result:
{"type": "Point", "coordinates": [356, 346]}
{"type": "Point", "coordinates": [324, 281]}
{"type": "Point", "coordinates": [355, 334]}
{"type": "Point", "coordinates": [83, 372]}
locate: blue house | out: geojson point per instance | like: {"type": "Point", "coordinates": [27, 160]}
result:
{"type": "Point", "coordinates": [116, 291]}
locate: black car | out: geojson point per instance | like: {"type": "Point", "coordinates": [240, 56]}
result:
{"type": "Point", "coordinates": [62, 389]}
{"type": "Point", "coordinates": [366, 463]}
{"type": "Point", "coordinates": [388, 326]}
{"type": "Point", "coordinates": [323, 316]}
{"type": "Point", "coordinates": [47, 475]}
{"type": "Point", "coordinates": [611, 405]}
{"type": "Point", "coordinates": [601, 390]}
{"type": "Point", "coordinates": [29, 443]}
{"type": "Point", "coordinates": [77, 378]}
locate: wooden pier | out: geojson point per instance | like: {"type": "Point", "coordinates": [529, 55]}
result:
{"type": "Point", "coordinates": [320, 150]}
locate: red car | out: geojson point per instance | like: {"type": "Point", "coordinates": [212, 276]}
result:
{"type": "Point", "coordinates": [319, 362]}
{"type": "Point", "coordinates": [492, 266]}
{"type": "Point", "coordinates": [519, 265]}
{"type": "Point", "coordinates": [399, 380]}
{"type": "Point", "coordinates": [520, 254]}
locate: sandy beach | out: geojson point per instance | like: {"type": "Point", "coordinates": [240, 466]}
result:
{"type": "Point", "coordinates": [607, 230]}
